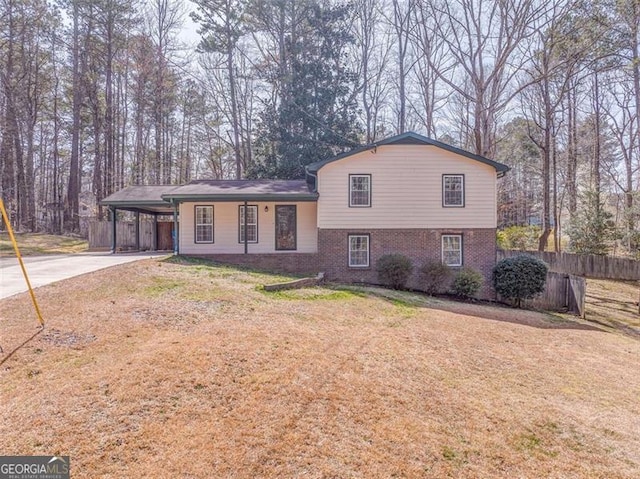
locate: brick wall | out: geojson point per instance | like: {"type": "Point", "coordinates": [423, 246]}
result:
{"type": "Point", "coordinates": [420, 245]}
{"type": "Point", "coordinates": [295, 263]}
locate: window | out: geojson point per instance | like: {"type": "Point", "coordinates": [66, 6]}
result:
{"type": "Point", "coordinates": [452, 250]}
{"type": "Point", "coordinates": [204, 224]}
{"type": "Point", "coordinates": [359, 190]}
{"type": "Point", "coordinates": [453, 190]}
{"type": "Point", "coordinates": [286, 227]}
{"type": "Point", "coordinates": [248, 222]}
{"type": "Point", "coordinates": [359, 251]}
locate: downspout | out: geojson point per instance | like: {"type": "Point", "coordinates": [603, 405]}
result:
{"type": "Point", "coordinates": [246, 237]}
{"type": "Point", "coordinates": [315, 180]}
{"type": "Point", "coordinates": [113, 229]}
{"type": "Point", "coordinates": [176, 246]}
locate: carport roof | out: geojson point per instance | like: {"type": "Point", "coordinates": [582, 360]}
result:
{"type": "Point", "coordinates": [242, 190]}
{"type": "Point", "coordinates": [141, 198]}
{"type": "Point", "coordinates": [158, 199]}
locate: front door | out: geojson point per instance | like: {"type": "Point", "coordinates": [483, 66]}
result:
{"type": "Point", "coordinates": [165, 235]}
{"type": "Point", "coordinates": [286, 227]}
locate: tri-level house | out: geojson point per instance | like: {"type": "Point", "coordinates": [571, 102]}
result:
{"type": "Point", "coordinates": [406, 194]}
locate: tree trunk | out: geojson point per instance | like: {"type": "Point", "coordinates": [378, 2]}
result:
{"type": "Point", "coordinates": [72, 204]}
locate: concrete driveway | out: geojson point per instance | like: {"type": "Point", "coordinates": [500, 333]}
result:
{"type": "Point", "coordinates": [48, 269]}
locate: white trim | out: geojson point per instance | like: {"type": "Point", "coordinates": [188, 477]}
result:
{"type": "Point", "coordinates": [459, 251]}
{"type": "Point", "coordinates": [241, 220]}
{"type": "Point", "coordinates": [444, 191]}
{"type": "Point", "coordinates": [351, 250]}
{"type": "Point", "coordinates": [209, 225]}
{"type": "Point", "coordinates": [351, 191]}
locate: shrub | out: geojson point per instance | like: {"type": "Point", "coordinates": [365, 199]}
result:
{"type": "Point", "coordinates": [436, 277]}
{"type": "Point", "coordinates": [520, 277]}
{"type": "Point", "coordinates": [467, 283]}
{"type": "Point", "coordinates": [519, 237]}
{"type": "Point", "coordinates": [394, 270]}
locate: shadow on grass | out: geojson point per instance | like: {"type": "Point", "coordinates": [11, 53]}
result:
{"type": "Point", "coordinates": [478, 309]}
{"type": "Point", "coordinates": [20, 346]}
{"type": "Point", "coordinates": [612, 313]}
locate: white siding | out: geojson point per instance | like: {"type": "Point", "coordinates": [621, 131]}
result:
{"type": "Point", "coordinates": [225, 229]}
{"type": "Point", "coordinates": [406, 190]}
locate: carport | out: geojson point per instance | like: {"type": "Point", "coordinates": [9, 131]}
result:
{"type": "Point", "coordinates": [140, 199]}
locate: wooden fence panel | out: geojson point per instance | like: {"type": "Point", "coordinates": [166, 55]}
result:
{"type": "Point", "coordinates": [100, 235]}
{"type": "Point", "coordinates": [563, 292]}
{"type": "Point", "coordinates": [577, 295]}
{"type": "Point", "coordinates": [589, 266]}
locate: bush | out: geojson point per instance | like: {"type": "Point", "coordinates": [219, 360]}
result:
{"type": "Point", "coordinates": [436, 277]}
{"type": "Point", "coordinates": [519, 237]}
{"type": "Point", "coordinates": [467, 283]}
{"type": "Point", "coordinates": [394, 270]}
{"type": "Point", "coordinates": [520, 277]}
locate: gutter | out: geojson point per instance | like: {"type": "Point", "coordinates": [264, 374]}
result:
{"type": "Point", "coordinates": [240, 197]}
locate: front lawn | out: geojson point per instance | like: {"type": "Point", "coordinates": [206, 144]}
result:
{"type": "Point", "coordinates": [40, 243]}
{"type": "Point", "coordinates": [161, 369]}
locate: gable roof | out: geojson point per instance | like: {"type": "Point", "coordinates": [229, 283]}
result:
{"type": "Point", "coordinates": [410, 138]}
{"type": "Point", "coordinates": [242, 190]}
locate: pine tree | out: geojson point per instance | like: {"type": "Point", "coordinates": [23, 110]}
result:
{"type": "Point", "coordinates": [592, 228]}
{"type": "Point", "coordinates": [314, 116]}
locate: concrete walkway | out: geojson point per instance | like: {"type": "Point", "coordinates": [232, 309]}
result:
{"type": "Point", "coordinates": [43, 270]}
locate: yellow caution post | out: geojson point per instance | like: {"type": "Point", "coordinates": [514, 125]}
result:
{"type": "Point", "coordinates": [5, 216]}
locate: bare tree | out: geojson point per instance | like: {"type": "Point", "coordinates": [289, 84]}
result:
{"type": "Point", "coordinates": [552, 69]}
{"type": "Point", "coordinates": [402, 23]}
{"type": "Point", "coordinates": [484, 44]}
{"type": "Point", "coordinates": [431, 63]}
{"type": "Point", "coordinates": [164, 19]}
{"type": "Point", "coordinates": [371, 56]}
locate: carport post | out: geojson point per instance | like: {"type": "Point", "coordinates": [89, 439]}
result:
{"type": "Point", "coordinates": [113, 229]}
{"type": "Point", "coordinates": [137, 231]}
{"type": "Point", "coordinates": [155, 232]}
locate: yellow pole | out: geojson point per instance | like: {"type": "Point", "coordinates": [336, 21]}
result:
{"type": "Point", "coordinates": [24, 271]}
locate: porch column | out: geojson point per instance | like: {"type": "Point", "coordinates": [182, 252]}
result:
{"type": "Point", "coordinates": [175, 228]}
{"type": "Point", "coordinates": [137, 245]}
{"type": "Point", "coordinates": [246, 237]}
{"type": "Point", "coordinates": [113, 229]}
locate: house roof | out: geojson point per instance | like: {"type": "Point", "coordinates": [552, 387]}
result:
{"type": "Point", "coordinates": [411, 138]}
{"type": "Point", "coordinates": [242, 190]}
{"type": "Point", "coordinates": [141, 198]}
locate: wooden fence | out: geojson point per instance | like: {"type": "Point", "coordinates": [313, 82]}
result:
{"type": "Point", "coordinates": [589, 266]}
{"type": "Point", "coordinates": [100, 235]}
{"type": "Point", "coordinates": [563, 292]}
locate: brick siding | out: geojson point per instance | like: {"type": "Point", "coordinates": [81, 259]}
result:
{"type": "Point", "coordinates": [295, 263]}
{"type": "Point", "coordinates": [420, 245]}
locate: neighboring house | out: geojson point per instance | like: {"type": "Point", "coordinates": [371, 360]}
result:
{"type": "Point", "coordinates": [406, 194]}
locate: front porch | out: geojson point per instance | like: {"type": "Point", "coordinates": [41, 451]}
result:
{"type": "Point", "coordinates": [222, 219]}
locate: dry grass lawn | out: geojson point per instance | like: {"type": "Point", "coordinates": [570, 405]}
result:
{"type": "Point", "coordinates": [157, 369]}
{"type": "Point", "coordinates": [614, 304]}
{"type": "Point", "coordinates": [40, 243]}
